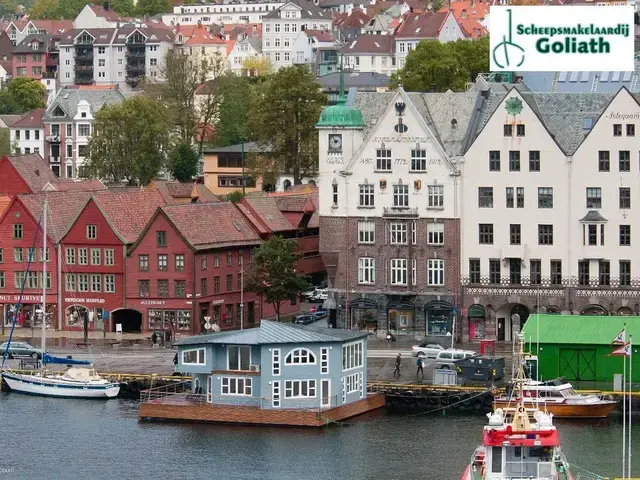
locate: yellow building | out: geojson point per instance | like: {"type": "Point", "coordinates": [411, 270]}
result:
{"type": "Point", "coordinates": [223, 169]}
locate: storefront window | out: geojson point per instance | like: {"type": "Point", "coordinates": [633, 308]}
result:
{"type": "Point", "coordinates": [400, 320]}
{"type": "Point", "coordinates": [76, 315]}
{"type": "Point", "coordinates": [167, 319]}
{"type": "Point", "coordinates": [439, 318]}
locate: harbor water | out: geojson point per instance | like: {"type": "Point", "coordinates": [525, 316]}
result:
{"type": "Point", "coordinates": [88, 439]}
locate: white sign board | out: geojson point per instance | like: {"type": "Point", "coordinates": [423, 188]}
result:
{"type": "Point", "coordinates": [118, 328]}
{"type": "Point", "coordinates": [551, 39]}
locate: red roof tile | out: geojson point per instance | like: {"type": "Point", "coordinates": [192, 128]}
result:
{"type": "Point", "coordinates": [181, 190]}
{"type": "Point", "coordinates": [423, 25]}
{"type": "Point", "coordinates": [266, 209]}
{"type": "Point", "coordinates": [33, 170]}
{"type": "Point", "coordinates": [201, 36]}
{"type": "Point", "coordinates": [356, 19]}
{"type": "Point", "coordinates": [209, 225]}
{"type": "Point", "coordinates": [320, 35]}
{"type": "Point", "coordinates": [370, 44]}
{"type": "Point", "coordinates": [78, 185]}
{"type": "Point", "coordinates": [32, 119]}
{"type": "Point", "coordinates": [109, 15]}
{"type": "Point", "coordinates": [5, 200]}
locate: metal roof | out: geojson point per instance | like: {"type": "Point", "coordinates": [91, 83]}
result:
{"type": "Point", "coordinates": [578, 329]}
{"type": "Point", "coordinates": [270, 332]}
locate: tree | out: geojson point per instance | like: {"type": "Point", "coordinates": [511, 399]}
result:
{"type": "Point", "coordinates": [233, 110]}
{"type": "Point", "coordinates": [124, 8]}
{"type": "Point", "coordinates": [284, 110]}
{"type": "Point", "coordinates": [8, 104]}
{"type": "Point", "coordinates": [188, 86]}
{"type": "Point", "coordinates": [436, 66]}
{"type": "Point", "coordinates": [44, 10]}
{"type": "Point", "coordinates": [28, 93]}
{"type": "Point", "coordinates": [257, 66]}
{"type": "Point", "coordinates": [272, 273]}
{"type": "Point", "coordinates": [129, 141]}
{"type": "Point", "coordinates": [152, 7]}
{"type": "Point", "coordinates": [183, 162]}
{"type": "Point", "coordinates": [5, 143]}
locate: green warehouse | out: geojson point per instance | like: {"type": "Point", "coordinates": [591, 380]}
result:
{"type": "Point", "coordinates": [578, 347]}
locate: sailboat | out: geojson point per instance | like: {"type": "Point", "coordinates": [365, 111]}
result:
{"type": "Point", "coordinates": [79, 381]}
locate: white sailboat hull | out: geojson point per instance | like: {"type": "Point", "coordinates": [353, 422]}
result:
{"type": "Point", "coordinates": [57, 387]}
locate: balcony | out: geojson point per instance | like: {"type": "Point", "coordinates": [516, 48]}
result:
{"type": "Point", "coordinates": [134, 79]}
{"type": "Point", "coordinates": [400, 212]}
{"type": "Point", "coordinates": [52, 138]}
{"type": "Point", "coordinates": [84, 68]}
{"type": "Point", "coordinates": [135, 53]}
{"type": "Point", "coordinates": [83, 80]}
{"type": "Point", "coordinates": [83, 55]}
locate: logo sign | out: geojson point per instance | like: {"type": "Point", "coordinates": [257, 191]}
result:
{"type": "Point", "coordinates": [554, 39]}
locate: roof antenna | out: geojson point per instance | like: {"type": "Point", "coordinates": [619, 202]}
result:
{"type": "Point", "coordinates": [341, 98]}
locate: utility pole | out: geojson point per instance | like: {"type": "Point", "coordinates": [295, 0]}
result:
{"type": "Point", "coordinates": [242, 295]}
{"type": "Point", "coordinates": [243, 182]}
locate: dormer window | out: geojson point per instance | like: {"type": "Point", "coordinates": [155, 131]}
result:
{"type": "Point", "coordinates": [34, 45]}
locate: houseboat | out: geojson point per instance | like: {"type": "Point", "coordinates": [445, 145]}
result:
{"type": "Point", "coordinates": [274, 374]}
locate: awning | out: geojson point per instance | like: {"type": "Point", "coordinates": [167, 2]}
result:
{"type": "Point", "coordinates": [363, 303]}
{"type": "Point", "coordinates": [400, 305]}
{"type": "Point", "coordinates": [438, 305]}
{"type": "Point", "coordinates": [476, 311]}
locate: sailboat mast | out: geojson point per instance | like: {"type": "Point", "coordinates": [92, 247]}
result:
{"type": "Point", "coordinates": [44, 278]}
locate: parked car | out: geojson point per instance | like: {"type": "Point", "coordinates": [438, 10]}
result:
{"type": "Point", "coordinates": [21, 349]}
{"type": "Point", "coordinates": [304, 319]}
{"type": "Point", "coordinates": [426, 350]}
{"type": "Point", "coordinates": [320, 312]}
{"type": "Point", "coordinates": [446, 359]}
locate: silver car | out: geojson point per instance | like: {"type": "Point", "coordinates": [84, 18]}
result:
{"type": "Point", "coordinates": [20, 349]}
{"type": "Point", "coordinates": [426, 350]}
{"type": "Point", "coordinates": [445, 360]}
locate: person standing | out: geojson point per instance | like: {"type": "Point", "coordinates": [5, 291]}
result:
{"type": "Point", "coordinates": [398, 364]}
{"type": "Point", "coordinates": [420, 365]}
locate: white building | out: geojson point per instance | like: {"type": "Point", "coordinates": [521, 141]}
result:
{"type": "Point", "coordinates": [309, 44]}
{"type": "Point", "coordinates": [113, 56]}
{"type": "Point", "coordinates": [370, 53]}
{"type": "Point", "coordinates": [227, 12]}
{"type": "Point", "coordinates": [97, 16]}
{"type": "Point", "coordinates": [248, 47]}
{"type": "Point", "coordinates": [27, 134]}
{"type": "Point", "coordinates": [281, 28]}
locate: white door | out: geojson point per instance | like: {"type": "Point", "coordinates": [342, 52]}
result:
{"type": "Point", "coordinates": [325, 399]}
{"type": "Point", "coordinates": [210, 389]}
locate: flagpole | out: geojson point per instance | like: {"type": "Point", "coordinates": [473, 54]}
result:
{"type": "Point", "coordinates": [630, 396]}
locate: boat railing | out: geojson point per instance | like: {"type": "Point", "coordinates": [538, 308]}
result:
{"type": "Point", "coordinates": [158, 393]}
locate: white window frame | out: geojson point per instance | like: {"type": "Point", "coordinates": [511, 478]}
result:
{"type": "Point", "coordinates": [419, 160]}
{"type": "Point", "coordinates": [435, 272]}
{"type": "Point", "coordinates": [401, 196]}
{"type": "Point", "coordinates": [414, 271]}
{"type": "Point", "coordinates": [398, 233]}
{"type": "Point", "coordinates": [398, 266]}
{"type": "Point", "coordinates": [367, 232]}
{"type": "Point", "coordinates": [324, 360]}
{"type": "Point", "coordinates": [304, 356]}
{"type": "Point", "coordinates": [311, 385]}
{"type": "Point", "coordinates": [229, 382]}
{"type": "Point", "coordinates": [435, 233]}
{"type": "Point", "coordinates": [352, 356]}
{"type": "Point", "coordinates": [435, 196]}
{"type": "Point", "coordinates": [92, 232]}
{"type": "Point", "coordinates": [352, 383]}
{"type": "Point", "coordinates": [198, 362]}
{"type": "Point", "coordinates": [275, 394]}
{"type": "Point", "coordinates": [366, 270]}
{"type": "Point", "coordinates": [95, 256]}
{"type": "Point", "coordinates": [109, 283]}
{"type": "Point", "coordinates": [70, 256]}
{"type": "Point", "coordinates": [96, 282]}
{"type": "Point", "coordinates": [83, 256]}
{"type": "Point", "coordinates": [70, 282]}
{"type": "Point", "coordinates": [109, 257]}
{"type": "Point", "coordinates": [366, 197]}
{"type": "Point", "coordinates": [275, 362]}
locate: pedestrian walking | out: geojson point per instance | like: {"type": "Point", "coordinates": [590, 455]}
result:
{"type": "Point", "coordinates": [420, 365]}
{"type": "Point", "coordinates": [398, 363]}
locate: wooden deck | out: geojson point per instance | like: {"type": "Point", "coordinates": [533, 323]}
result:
{"type": "Point", "coordinates": [188, 408]}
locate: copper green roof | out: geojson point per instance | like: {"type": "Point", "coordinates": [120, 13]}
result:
{"type": "Point", "coordinates": [341, 115]}
{"type": "Point", "coordinates": [579, 329]}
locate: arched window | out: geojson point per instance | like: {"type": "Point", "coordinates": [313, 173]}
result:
{"type": "Point", "coordinates": [300, 356]}
{"type": "Point", "coordinates": [287, 185]}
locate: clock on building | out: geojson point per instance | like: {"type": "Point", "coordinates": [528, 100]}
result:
{"type": "Point", "coordinates": [335, 142]}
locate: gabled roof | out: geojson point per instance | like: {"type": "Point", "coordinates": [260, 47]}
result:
{"type": "Point", "coordinates": [53, 27]}
{"type": "Point", "coordinates": [68, 98]}
{"type": "Point", "coordinates": [211, 225]}
{"type": "Point", "coordinates": [62, 185]}
{"type": "Point", "coordinates": [356, 19]}
{"type": "Point", "coordinates": [270, 333]}
{"type": "Point", "coordinates": [9, 120]}
{"type": "Point", "coordinates": [319, 35]}
{"type": "Point", "coordinates": [578, 329]}
{"type": "Point", "coordinates": [264, 212]}
{"type": "Point", "coordinates": [421, 25]}
{"type": "Point", "coordinates": [108, 15]}
{"type": "Point", "coordinates": [33, 170]}
{"type": "Point", "coordinates": [26, 45]}
{"type": "Point", "coordinates": [32, 119]}
{"type": "Point", "coordinates": [370, 45]}
{"type": "Point", "coordinates": [5, 201]}
{"type": "Point", "coordinates": [173, 190]}
{"type": "Point", "coordinates": [307, 10]}
{"type": "Point", "coordinates": [201, 36]}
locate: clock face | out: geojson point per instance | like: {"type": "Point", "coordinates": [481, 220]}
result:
{"type": "Point", "coordinates": [335, 142]}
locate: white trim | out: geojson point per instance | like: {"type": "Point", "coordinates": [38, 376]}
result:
{"type": "Point", "coordinates": [291, 382]}
{"type": "Point", "coordinates": [324, 360]}
{"type": "Point", "coordinates": [210, 389]}
{"type": "Point", "coordinates": [275, 394]}
{"type": "Point", "coordinates": [276, 362]}
{"type": "Point", "coordinates": [204, 355]}
{"type": "Point", "coordinates": [309, 355]}
{"type": "Point", "coordinates": [362, 386]}
{"type": "Point", "coordinates": [239, 357]}
{"type": "Point", "coordinates": [352, 383]}
{"type": "Point", "coordinates": [345, 367]}
{"type": "Point", "coordinates": [325, 401]}
{"type": "Point", "coordinates": [247, 383]}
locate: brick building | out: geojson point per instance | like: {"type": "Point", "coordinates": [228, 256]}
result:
{"type": "Point", "coordinates": [388, 219]}
{"type": "Point", "coordinates": [184, 268]}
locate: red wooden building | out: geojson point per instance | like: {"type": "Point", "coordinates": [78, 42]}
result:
{"type": "Point", "coordinates": [187, 266]}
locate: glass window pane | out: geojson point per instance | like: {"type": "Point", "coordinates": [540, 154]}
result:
{"type": "Point", "coordinates": [233, 357]}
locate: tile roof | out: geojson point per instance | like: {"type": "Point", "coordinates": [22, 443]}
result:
{"type": "Point", "coordinates": [309, 192]}
{"type": "Point", "coordinates": [5, 200]}
{"type": "Point", "coordinates": [129, 212]}
{"type": "Point", "coordinates": [68, 99]}
{"type": "Point", "coordinates": [64, 208]}
{"type": "Point", "coordinates": [471, 27]}
{"type": "Point", "coordinates": [108, 15]}
{"type": "Point", "coordinates": [356, 19]}
{"type": "Point", "coordinates": [209, 225]}
{"type": "Point", "coordinates": [470, 8]}
{"type": "Point", "coordinates": [421, 25]}
{"type": "Point", "coordinates": [266, 209]}
{"type": "Point", "coordinates": [320, 35]}
{"type": "Point", "coordinates": [270, 332]}
{"type": "Point", "coordinates": [307, 11]}
{"type": "Point", "coordinates": [202, 36]}
{"type": "Point", "coordinates": [63, 185]}
{"type": "Point", "coordinates": [9, 120]}
{"type": "Point", "coordinates": [295, 203]}
{"type": "Point", "coordinates": [118, 36]}
{"type": "Point", "coordinates": [54, 27]}
{"type": "Point", "coordinates": [360, 80]}
{"type": "Point", "coordinates": [26, 45]}
{"type": "Point", "coordinates": [177, 190]}
{"type": "Point", "coordinates": [33, 170]}
{"type": "Point", "coordinates": [371, 45]}
{"type": "Point", "coordinates": [32, 119]}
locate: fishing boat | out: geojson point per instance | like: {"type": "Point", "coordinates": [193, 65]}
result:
{"type": "Point", "coordinates": [554, 396]}
{"type": "Point", "coordinates": [519, 443]}
{"type": "Point", "coordinates": [79, 381]}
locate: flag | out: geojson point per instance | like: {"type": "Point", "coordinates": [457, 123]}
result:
{"type": "Point", "coordinates": [620, 338]}
{"type": "Point", "coordinates": [623, 350]}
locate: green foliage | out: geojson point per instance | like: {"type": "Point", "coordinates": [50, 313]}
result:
{"type": "Point", "coordinates": [235, 197]}
{"type": "Point", "coordinates": [8, 8]}
{"type": "Point", "coordinates": [284, 110]}
{"type": "Point", "coordinates": [128, 141]}
{"type": "Point", "coordinates": [8, 104]}
{"type": "Point", "coordinates": [56, 9]}
{"type": "Point", "coordinates": [233, 110]}
{"type": "Point", "coordinates": [436, 66]}
{"type": "Point", "coordinates": [152, 7]}
{"type": "Point", "coordinates": [183, 162]}
{"type": "Point", "coordinates": [25, 94]}
{"type": "Point", "coordinates": [272, 273]}
{"type": "Point", "coordinates": [124, 8]}
{"type": "Point", "coordinates": [5, 143]}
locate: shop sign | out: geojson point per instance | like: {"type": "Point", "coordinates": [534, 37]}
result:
{"type": "Point", "coordinates": [217, 302]}
{"type": "Point", "coordinates": [85, 300]}
{"type": "Point", "coordinates": [16, 298]}
{"type": "Point", "coordinates": [152, 302]}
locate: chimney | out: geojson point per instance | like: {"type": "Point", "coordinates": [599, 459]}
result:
{"type": "Point", "coordinates": [37, 173]}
